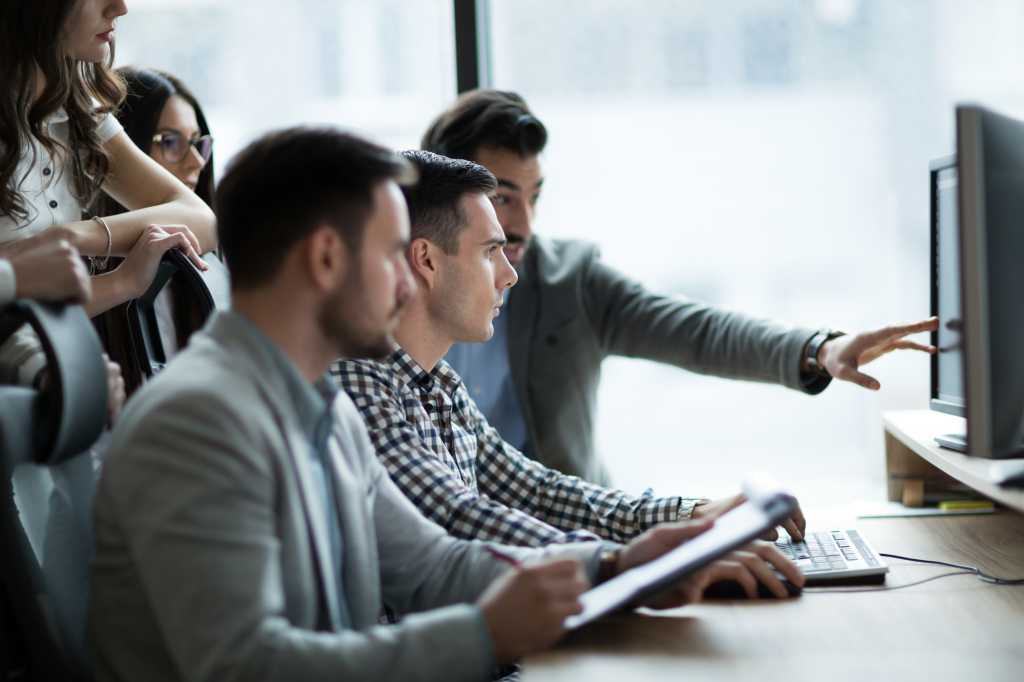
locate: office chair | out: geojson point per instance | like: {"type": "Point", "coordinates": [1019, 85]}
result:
{"type": "Point", "coordinates": [48, 475]}
{"type": "Point", "coordinates": [146, 345]}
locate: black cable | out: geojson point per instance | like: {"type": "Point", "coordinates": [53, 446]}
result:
{"type": "Point", "coordinates": [963, 570]}
{"type": "Point", "coordinates": [985, 577]}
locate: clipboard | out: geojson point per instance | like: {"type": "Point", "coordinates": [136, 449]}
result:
{"type": "Point", "coordinates": [766, 507]}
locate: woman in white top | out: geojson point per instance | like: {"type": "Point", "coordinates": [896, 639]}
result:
{"type": "Point", "coordinates": [60, 145]}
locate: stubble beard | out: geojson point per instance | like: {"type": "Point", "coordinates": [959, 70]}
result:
{"type": "Point", "coordinates": [339, 322]}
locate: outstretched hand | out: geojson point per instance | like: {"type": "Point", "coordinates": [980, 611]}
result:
{"type": "Point", "coordinates": [842, 357]}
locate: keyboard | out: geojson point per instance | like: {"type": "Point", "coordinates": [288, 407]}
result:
{"type": "Point", "coordinates": [834, 555]}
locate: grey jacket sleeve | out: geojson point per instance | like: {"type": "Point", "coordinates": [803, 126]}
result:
{"type": "Point", "coordinates": [423, 567]}
{"type": "Point", "coordinates": [632, 321]}
{"type": "Point", "coordinates": [196, 500]}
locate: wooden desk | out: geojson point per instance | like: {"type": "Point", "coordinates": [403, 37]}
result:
{"type": "Point", "coordinates": [956, 628]}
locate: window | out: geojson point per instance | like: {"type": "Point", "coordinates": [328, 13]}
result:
{"type": "Point", "coordinates": [765, 155]}
{"type": "Point", "coordinates": [384, 67]}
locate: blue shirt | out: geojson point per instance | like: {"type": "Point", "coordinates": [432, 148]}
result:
{"type": "Point", "coordinates": [313, 407]}
{"type": "Point", "coordinates": [487, 376]}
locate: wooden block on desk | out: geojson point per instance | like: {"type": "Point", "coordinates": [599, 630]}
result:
{"type": "Point", "coordinates": [913, 492]}
{"type": "Point", "coordinates": [903, 464]}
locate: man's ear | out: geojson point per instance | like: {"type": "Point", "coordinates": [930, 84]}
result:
{"type": "Point", "coordinates": [423, 257]}
{"type": "Point", "coordinates": [326, 257]}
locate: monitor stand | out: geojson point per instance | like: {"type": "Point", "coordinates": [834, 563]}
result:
{"type": "Point", "coordinates": [953, 441]}
{"type": "Point", "coordinates": [958, 443]}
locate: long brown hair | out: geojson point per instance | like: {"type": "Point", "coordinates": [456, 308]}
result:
{"type": "Point", "coordinates": [32, 32]}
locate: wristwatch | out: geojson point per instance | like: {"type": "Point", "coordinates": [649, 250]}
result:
{"type": "Point", "coordinates": [607, 564]}
{"type": "Point", "coordinates": [814, 346]}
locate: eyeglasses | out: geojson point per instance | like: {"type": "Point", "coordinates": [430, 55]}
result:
{"type": "Point", "coordinates": [174, 147]}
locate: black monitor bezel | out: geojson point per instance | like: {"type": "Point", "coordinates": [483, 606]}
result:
{"type": "Point", "coordinates": [934, 168]}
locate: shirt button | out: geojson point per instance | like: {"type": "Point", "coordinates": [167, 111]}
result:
{"type": "Point", "coordinates": [53, 204]}
{"type": "Point", "coordinates": [47, 171]}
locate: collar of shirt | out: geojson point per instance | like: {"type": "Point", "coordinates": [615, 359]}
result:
{"type": "Point", "coordinates": [59, 116]}
{"type": "Point", "coordinates": [409, 372]}
{"type": "Point", "coordinates": [312, 402]}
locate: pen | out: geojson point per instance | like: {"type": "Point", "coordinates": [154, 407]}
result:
{"type": "Point", "coordinates": [501, 556]}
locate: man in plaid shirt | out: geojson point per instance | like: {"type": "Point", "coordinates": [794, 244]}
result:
{"type": "Point", "coordinates": [428, 432]}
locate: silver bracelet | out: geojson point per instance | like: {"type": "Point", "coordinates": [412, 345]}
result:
{"type": "Point", "coordinates": [102, 265]}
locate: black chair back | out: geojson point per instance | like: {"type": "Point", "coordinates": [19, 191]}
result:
{"type": "Point", "coordinates": [144, 329]}
{"type": "Point", "coordinates": [48, 479]}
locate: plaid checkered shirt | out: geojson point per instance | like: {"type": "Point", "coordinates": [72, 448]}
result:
{"type": "Point", "coordinates": [446, 458]}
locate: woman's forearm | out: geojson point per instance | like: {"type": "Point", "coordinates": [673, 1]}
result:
{"type": "Point", "coordinates": [108, 290]}
{"type": "Point", "coordinates": [125, 228]}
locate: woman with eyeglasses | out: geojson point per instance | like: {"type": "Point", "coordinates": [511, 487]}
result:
{"type": "Point", "coordinates": [164, 119]}
{"type": "Point", "coordinates": [60, 147]}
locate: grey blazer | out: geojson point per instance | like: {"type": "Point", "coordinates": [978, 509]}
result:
{"type": "Point", "coordinates": [210, 549]}
{"type": "Point", "coordinates": [570, 310]}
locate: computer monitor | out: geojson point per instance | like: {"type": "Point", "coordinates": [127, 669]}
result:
{"type": "Point", "coordinates": [947, 380]}
{"type": "Point", "coordinates": [990, 196]}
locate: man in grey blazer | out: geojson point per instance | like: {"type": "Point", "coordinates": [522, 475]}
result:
{"type": "Point", "coordinates": [536, 380]}
{"type": "Point", "coordinates": [245, 529]}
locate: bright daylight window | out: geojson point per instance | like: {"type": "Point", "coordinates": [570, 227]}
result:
{"type": "Point", "coordinates": [766, 155]}
{"type": "Point", "coordinates": [383, 67]}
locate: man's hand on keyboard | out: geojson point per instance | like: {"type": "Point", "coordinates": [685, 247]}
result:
{"type": "Point", "coordinates": [758, 562]}
{"type": "Point", "coordinates": [794, 525]}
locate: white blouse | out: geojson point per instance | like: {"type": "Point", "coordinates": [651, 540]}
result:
{"type": "Point", "coordinates": [46, 184]}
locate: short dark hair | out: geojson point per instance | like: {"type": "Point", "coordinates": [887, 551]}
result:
{"type": "Point", "coordinates": [486, 118]}
{"type": "Point", "coordinates": [433, 201]}
{"type": "Point", "coordinates": [287, 183]}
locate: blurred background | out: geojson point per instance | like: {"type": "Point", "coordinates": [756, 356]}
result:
{"type": "Point", "coordinates": [766, 155]}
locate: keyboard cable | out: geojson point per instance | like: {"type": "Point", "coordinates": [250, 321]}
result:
{"type": "Point", "coordinates": [963, 570]}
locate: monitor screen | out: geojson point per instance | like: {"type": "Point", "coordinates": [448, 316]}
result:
{"type": "Point", "coordinates": [947, 365]}
{"type": "Point", "coordinates": [990, 198]}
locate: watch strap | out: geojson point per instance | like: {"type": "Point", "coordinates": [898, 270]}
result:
{"type": "Point", "coordinates": [813, 347]}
